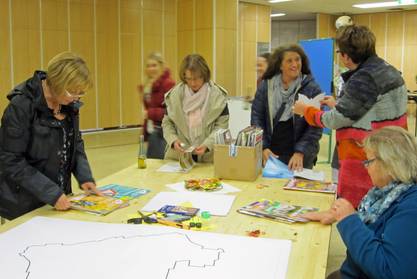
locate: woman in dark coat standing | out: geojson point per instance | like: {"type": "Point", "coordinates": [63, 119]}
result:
{"type": "Point", "coordinates": [40, 140]}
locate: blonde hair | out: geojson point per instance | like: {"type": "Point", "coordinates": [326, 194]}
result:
{"type": "Point", "coordinates": [157, 57]}
{"type": "Point", "coordinates": [68, 71]}
{"type": "Point", "coordinates": [396, 150]}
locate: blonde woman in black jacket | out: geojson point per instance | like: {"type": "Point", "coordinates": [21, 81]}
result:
{"type": "Point", "coordinates": [40, 141]}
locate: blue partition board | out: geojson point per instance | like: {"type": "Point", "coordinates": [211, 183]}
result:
{"type": "Point", "coordinates": [320, 54]}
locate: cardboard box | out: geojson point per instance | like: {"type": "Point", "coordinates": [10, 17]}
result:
{"type": "Point", "coordinates": [246, 164]}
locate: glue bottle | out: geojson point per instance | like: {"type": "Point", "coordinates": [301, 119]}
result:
{"type": "Point", "coordinates": [141, 153]}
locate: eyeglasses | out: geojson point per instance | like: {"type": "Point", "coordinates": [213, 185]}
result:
{"type": "Point", "coordinates": [79, 95]}
{"type": "Point", "coordinates": [366, 163]}
{"type": "Point", "coordinates": [187, 79]}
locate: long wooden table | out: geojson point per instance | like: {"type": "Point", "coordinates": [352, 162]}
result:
{"type": "Point", "coordinates": [310, 241]}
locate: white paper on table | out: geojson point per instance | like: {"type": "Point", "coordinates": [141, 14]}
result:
{"type": "Point", "coordinates": [172, 167]}
{"type": "Point", "coordinates": [315, 102]}
{"type": "Point", "coordinates": [215, 204]}
{"type": "Point", "coordinates": [310, 174]}
{"type": "Point", "coordinates": [156, 251]}
{"type": "Point", "coordinates": [227, 188]}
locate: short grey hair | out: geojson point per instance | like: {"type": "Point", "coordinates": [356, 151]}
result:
{"type": "Point", "coordinates": [396, 149]}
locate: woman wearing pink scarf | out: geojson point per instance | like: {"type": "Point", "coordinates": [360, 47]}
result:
{"type": "Point", "coordinates": [196, 109]}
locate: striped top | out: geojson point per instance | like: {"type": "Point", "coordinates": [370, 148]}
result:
{"type": "Point", "coordinates": [374, 96]}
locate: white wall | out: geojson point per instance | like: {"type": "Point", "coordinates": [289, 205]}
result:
{"type": "Point", "coordinates": [239, 115]}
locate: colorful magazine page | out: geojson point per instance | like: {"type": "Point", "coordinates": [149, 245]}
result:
{"type": "Point", "coordinates": [205, 184]}
{"type": "Point", "coordinates": [100, 205]}
{"type": "Point", "coordinates": [276, 210]}
{"type": "Point", "coordinates": [310, 186]}
{"type": "Point", "coordinates": [274, 168]}
{"type": "Point", "coordinates": [180, 210]}
{"type": "Point", "coordinates": [122, 192]}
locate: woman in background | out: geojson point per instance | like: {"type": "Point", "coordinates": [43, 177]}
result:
{"type": "Point", "coordinates": [286, 136]}
{"type": "Point", "coordinates": [158, 82]}
{"type": "Point", "coordinates": [261, 66]}
{"type": "Point", "coordinates": [381, 235]}
{"type": "Point", "coordinates": [196, 109]}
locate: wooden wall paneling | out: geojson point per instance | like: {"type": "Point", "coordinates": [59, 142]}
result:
{"type": "Point", "coordinates": [204, 45]}
{"type": "Point", "coordinates": [185, 15]}
{"type": "Point", "coordinates": [410, 55]}
{"type": "Point", "coordinates": [410, 67]}
{"type": "Point", "coordinates": [152, 26]}
{"type": "Point", "coordinates": [108, 63]}
{"type": "Point", "coordinates": [204, 14]}
{"type": "Point", "coordinates": [186, 29]}
{"type": "Point", "coordinates": [171, 56]}
{"type": "Point", "coordinates": [26, 39]}
{"type": "Point", "coordinates": [54, 28]}
{"type": "Point", "coordinates": [204, 30]}
{"type": "Point", "coordinates": [155, 5]}
{"type": "Point", "coordinates": [249, 69]}
{"type": "Point", "coordinates": [185, 44]}
{"type": "Point", "coordinates": [239, 62]}
{"type": "Point", "coordinates": [226, 60]}
{"type": "Point", "coordinates": [363, 19]}
{"type": "Point", "coordinates": [323, 25]}
{"type": "Point", "coordinates": [248, 56]}
{"type": "Point", "coordinates": [5, 67]}
{"type": "Point", "coordinates": [226, 14]}
{"type": "Point", "coordinates": [264, 23]}
{"type": "Point", "coordinates": [131, 67]}
{"type": "Point", "coordinates": [378, 27]}
{"type": "Point", "coordinates": [326, 27]}
{"type": "Point", "coordinates": [82, 43]}
{"type": "Point", "coordinates": [226, 45]}
{"type": "Point", "coordinates": [332, 26]}
{"type": "Point", "coordinates": [171, 44]}
{"type": "Point", "coordinates": [395, 38]}
{"type": "Point", "coordinates": [410, 27]}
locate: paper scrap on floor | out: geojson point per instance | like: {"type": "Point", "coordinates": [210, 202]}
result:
{"type": "Point", "coordinates": [218, 205]}
{"type": "Point", "coordinates": [227, 188]}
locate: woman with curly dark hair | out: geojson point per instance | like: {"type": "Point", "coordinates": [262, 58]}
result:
{"type": "Point", "coordinates": [286, 136]}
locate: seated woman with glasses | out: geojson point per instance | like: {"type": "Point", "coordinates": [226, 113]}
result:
{"type": "Point", "coordinates": [195, 109]}
{"type": "Point", "coordinates": [40, 140]}
{"type": "Point", "coordinates": [380, 235]}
